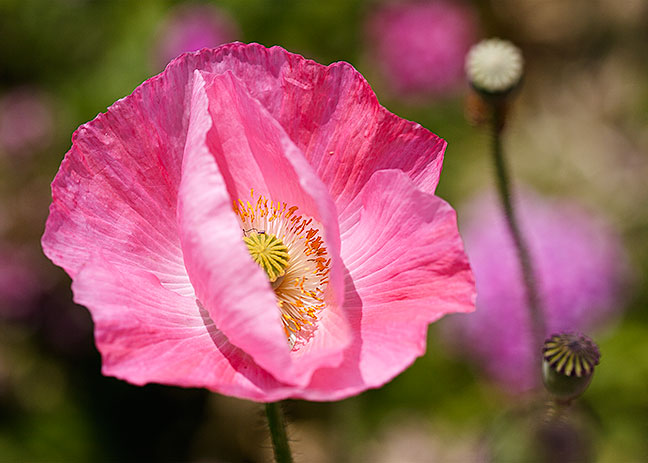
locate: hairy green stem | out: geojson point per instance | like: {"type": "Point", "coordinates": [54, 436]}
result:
{"type": "Point", "coordinates": [524, 256]}
{"type": "Point", "coordinates": [278, 433]}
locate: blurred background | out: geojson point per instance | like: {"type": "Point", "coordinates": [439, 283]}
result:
{"type": "Point", "coordinates": [577, 141]}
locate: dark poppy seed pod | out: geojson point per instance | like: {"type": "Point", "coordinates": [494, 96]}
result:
{"type": "Point", "coordinates": [568, 364]}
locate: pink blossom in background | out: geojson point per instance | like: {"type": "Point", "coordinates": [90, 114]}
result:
{"type": "Point", "coordinates": [159, 203]}
{"type": "Point", "coordinates": [26, 121]}
{"type": "Point", "coordinates": [420, 47]}
{"type": "Point", "coordinates": [20, 281]}
{"type": "Point", "coordinates": [581, 269]}
{"type": "Point", "coordinates": [191, 27]}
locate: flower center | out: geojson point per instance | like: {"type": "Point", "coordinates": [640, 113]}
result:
{"type": "Point", "coordinates": [289, 248]}
{"type": "Point", "coordinates": [269, 252]}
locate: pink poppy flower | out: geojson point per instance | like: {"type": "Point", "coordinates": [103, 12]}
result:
{"type": "Point", "coordinates": [421, 47]}
{"type": "Point", "coordinates": [581, 269]}
{"type": "Point", "coordinates": [242, 153]}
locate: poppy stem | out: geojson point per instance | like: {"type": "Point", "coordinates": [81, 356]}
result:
{"type": "Point", "coordinates": [521, 246]}
{"type": "Point", "coordinates": [278, 433]}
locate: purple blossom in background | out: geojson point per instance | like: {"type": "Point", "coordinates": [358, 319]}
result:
{"type": "Point", "coordinates": [26, 121]}
{"type": "Point", "coordinates": [580, 267]}
{"type": "Point", "coordinates": [193, 27]}
{"type": "Point", "coordinates": [421, 47]}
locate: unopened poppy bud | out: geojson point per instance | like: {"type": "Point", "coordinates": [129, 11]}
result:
{"type": "Point", "coordinates": [568, 364]}
{"type": "Point", "coordinates": [494, 66]}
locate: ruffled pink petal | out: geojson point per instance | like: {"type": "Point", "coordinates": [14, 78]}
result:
{"type": "Point", "coordinates": [346, 135]}
{"type": "Point", "coordinates": [233, 145]}
{"type": "Point", "coordinates": [253, 152]}
{"type": "Point", "coordinates": [116, 189]}
{"type": "Point", "coordinates": [147, 333]}
{"type": "Point", "coordinates": [332, 115]}
{"type": "Point", "coordinates": [407, 268]}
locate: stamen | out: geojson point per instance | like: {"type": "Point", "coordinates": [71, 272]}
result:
{"type": "Point", "coordinates": [288, 246]}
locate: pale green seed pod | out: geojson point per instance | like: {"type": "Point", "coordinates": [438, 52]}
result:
{"type": "Point", "coordinates": [494, 66]}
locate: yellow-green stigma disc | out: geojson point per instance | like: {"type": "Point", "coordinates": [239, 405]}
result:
{"type": "Point", "coordinates": [269, 252]}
